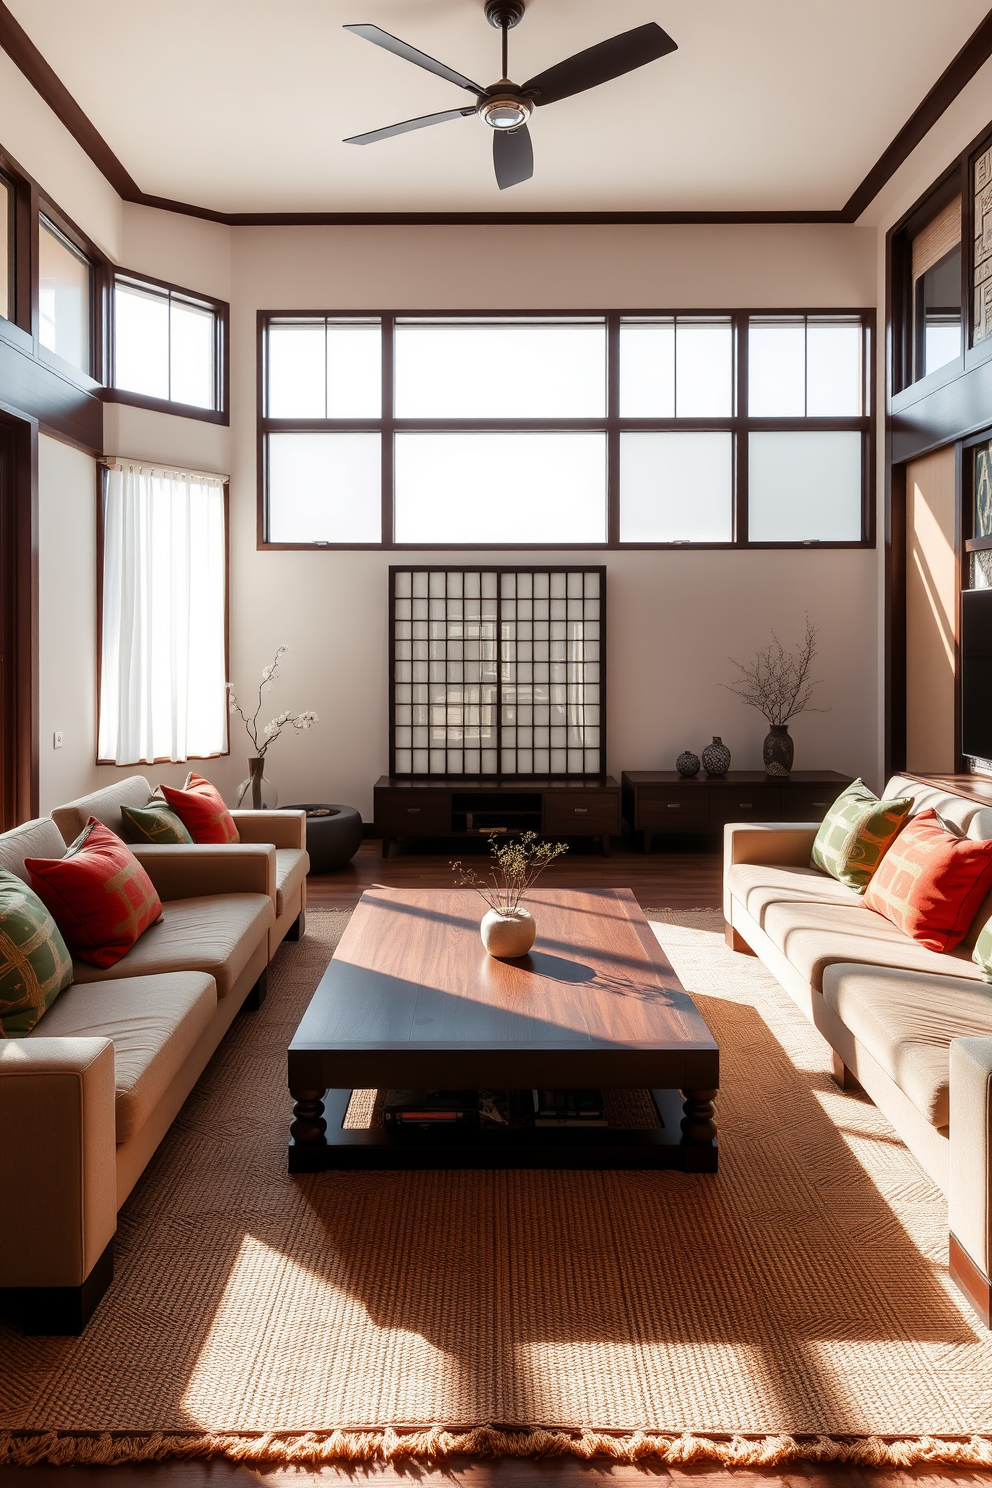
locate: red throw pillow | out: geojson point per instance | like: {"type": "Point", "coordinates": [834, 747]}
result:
{"type": "Point", "coordinates": [930, 882]}
{"type": "Point", "coordinates": [98, 894]}
{"type": "Point", "coordinates": [200, 807]}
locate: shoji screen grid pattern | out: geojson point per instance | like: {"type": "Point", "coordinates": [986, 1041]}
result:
{"type": "Point", "coordinates": [497, 672]}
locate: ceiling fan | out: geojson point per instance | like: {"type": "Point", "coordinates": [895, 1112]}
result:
{"type": "Point", "coordinates": [506, 106]}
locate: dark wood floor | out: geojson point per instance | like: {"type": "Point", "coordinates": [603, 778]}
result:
{"type": "Point", "coordinates": [668, 878]}
{"type": "Point", "coordinates": [665, 878]}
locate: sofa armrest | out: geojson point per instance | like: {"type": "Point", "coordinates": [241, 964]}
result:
{"type": "Point", "coordinates": [58, 1173]}
{"type": "Point", "coordinates": [183, 872]}
{"type": "Point", "coordinates": [281, 828]}
{"type": "Point", "coordinates": [971, 1136]}
{"type": "Point", "coordinates": [787, 844]}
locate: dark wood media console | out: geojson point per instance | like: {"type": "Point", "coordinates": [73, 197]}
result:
{"type": "Point", "coordinates": [472, 808]}
{"type": "Point", "coordinates": [663, 802]}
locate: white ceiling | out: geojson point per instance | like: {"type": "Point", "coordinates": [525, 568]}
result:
{"type": "Point", "coordinates": [241, 105]}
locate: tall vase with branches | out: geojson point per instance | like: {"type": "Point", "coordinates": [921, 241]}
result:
{"type": "Point", "coordinates": [299, 722]}
{"type": "Point", "coordinates": [508, 928]}
{"type": "Point", "coordinates": [779, 685]}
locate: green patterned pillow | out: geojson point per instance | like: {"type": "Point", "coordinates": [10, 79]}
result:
{"type": "Point", "coordinates": [153, 823]}
{"type": "Point", "coordinates": [856, 833]}
{"type": "Point", "coordinates": [35, 965]}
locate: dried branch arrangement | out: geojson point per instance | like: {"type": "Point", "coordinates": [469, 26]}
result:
{"type": "Point", "coordinates": [515, 867]}
{"type": "Point", "coordinates": [299, 721]}
{"type": "Point", "coordinates": [777, 682]}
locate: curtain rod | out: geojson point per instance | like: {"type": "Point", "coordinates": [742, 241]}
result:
{"type": "Point", "coordinates": [147, 467]}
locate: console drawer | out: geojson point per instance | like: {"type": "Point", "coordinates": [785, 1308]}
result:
{"type": "Point", "coordinates": [411, 813]}
{"type": "Point", "coordinates": [733, 803]}
{"type": "Point", "coordinates": [807, 803]}
{"type": "Point", "coordinates": [680, 814]}
{"type": "Point", "coordinates": [585, 814]}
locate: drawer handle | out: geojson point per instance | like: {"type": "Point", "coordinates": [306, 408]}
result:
{"type": "Point", "coordinates": [491, 831]}
{"type": "Point", "coordinates": [819, 803]}
{"type": "Point", "coordinates": [581, 810]}
{"type": "Point", "coordinates": [674, 805]}
{"type": "Point", "coordinates": [746, 805]}
{"type": "Point", "coordinates": [413, 811]}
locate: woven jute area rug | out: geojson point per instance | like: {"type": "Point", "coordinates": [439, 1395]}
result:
{"type": "Point", "coordinates": [794, 1306]}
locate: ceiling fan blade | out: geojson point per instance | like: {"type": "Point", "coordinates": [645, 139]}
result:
{"type": "Point", "coordinates": [598, 64]}
{"type": "Point", "coordinates": [410, 54]}
{"type": "Point", "coordinates": [513, 156]}
{"type": "Point", "coordinates": [406, 126]}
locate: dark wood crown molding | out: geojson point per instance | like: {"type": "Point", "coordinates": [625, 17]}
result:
{"type": "Point", "coordinates": [25, 55]}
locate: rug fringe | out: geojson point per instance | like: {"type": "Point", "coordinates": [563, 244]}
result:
{"type": "Point", "coordinates": [106, 1449]}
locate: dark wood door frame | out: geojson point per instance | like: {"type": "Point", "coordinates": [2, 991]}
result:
{"type": "Point", "coordinates": [18, 619]}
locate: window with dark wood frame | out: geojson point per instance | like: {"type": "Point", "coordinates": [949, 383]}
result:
{"type": "Point", "coordinates": [370, 430]}
{"type": "Point", "coordinates": [172, 297]}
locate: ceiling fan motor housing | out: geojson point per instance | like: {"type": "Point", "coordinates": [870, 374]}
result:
{"type": "Point", "coordinates": [504, 13]}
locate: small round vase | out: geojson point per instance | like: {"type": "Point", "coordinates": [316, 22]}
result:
{"type": "Point", "coordinates": [507, 936]}
{"type": "Point", "coordinates": [716, 757]}
{"type": "Point", "coordinates": [257, 793]}
{"type": "Point", "coordinates": [778, 750]}
{"type": "Point", "coordinates": [687, 764]}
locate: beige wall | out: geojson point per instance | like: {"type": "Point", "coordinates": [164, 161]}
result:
{"type": "Point", "coordinates": [931, 612]}
{"type": "Point", "coordinates": [674, 618]}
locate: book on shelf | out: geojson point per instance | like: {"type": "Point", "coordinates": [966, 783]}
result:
{"type": "Point", "coordinates": [568, 1108]}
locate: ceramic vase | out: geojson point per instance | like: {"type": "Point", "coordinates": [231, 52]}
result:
{"type": "Point", "coordinates": [778, 750]}
{"type": "Point", "coordinates": [687, 764]}
{"type": "Point", "coordinates": [257, 793]}
{"type": "Point", "coordinates": [716, 757]}
{"type": "Point", "coordinates": [508, 935]}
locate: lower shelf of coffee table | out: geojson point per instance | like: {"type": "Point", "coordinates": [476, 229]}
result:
{"type": "Point", "coordinates": [517, 1147]}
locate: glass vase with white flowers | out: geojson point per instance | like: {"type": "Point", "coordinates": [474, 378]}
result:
{"type": "Point", "coordinates": [261, 791]}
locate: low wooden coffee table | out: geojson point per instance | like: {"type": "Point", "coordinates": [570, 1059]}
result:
{"type": "Point", "coordinates": [411, 1000]}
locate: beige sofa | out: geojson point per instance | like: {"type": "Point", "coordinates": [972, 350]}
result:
{"type": "Point", "coordinates": [285, 830]}
{"type": "Point", "coordinates": [88, 1095]}
{"type": "Point", "coordinates": [912, 1027]}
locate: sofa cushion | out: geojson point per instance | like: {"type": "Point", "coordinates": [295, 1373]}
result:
{"type": "Point", "coordinates": [99, 895]}
{"type": "Point", "coordinates": [200, 806]}
{"type": "Point", "coordinates": [856, 833]}
{"type": "Point", "coordinates": [104, 804]}
{"type": "Point", "coordinates": [969, 817]}
{"type": "Point", "coordinates": [34, 839]}
{"type": "Point", "coordinates": [217, 934]}
{"type": "Point", "coordinates": [35, 965]}
{"type": "Point", "coordinates": [906, 1021]}
{"type": "Point", "coordinates": [931, 882]}
{"type": "Point", "coordinates": [153, 1023]}
{"type": "Point", "coordinates": [816, 935]}
{"type": "Point", "coordinates": [756, 885]}
{"type": "Point", "coordinates": [291, 869]}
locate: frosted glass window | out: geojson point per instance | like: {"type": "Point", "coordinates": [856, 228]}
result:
{"type": "Point", "coordinates": [324, 369]}
{"type": "Point", "coordinates": [500, 488]}
{"type": "Point", "coordinates": [704, 369]}
{"type": "Point", "coordinates": [324, 488]}
{"type": "Point", "coordinates": [805, 367]}
{"type": "Point", "coordinates": [165, 345]}
{"type": "Point", "coordinates": [500, 371]}
{"type": "Point", "coordinates": [805, 486]}
{"type": "Point", "coordinates": [834, 370]}
{"type": "Point", "coordinates": [65, 297]}
{"type": "Point", "coordinates": [647, 369]}
{"type": "Point", "coordinates": [776, 369]}
{"type": "Point", "coordinates": [6, 240]}
{"type": "Point", "coordinates": [676, 487]}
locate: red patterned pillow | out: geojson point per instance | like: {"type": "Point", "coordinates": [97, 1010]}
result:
{"type": "Point", "coordinates": [930, 882]}
{"type": "Point", "coordinates": [200, 807]}
{"type": "Point", "coordinates": [98, 894]}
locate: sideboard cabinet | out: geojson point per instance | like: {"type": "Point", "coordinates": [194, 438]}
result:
{"type": "Point", "coordinates": [662, 802]}
{"type": "Point", "coordinates": [473, 808]}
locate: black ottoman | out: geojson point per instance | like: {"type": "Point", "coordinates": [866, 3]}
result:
{"type": "Point", "coordinates": [334, 835]}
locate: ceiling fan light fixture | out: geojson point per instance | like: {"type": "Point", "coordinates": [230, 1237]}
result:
{"type": "Point", "coordinates": [505, 112]}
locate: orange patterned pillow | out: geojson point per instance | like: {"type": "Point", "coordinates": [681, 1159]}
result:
{"type": "Point", "coordinates": [200, 807]}
{"type": "Point", "coordinates": [98, 894]}
{"type": "Point", "coordinates": [930, 882]}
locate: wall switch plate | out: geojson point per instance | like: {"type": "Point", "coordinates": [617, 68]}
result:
{"type": "Point", "coordinates": [57, 739]}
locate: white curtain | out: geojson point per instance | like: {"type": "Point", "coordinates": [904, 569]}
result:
{"type": "Point", "coordinates": [163, 673]}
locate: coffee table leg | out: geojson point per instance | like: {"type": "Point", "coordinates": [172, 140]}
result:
{"type": "Point", "coordinates": [308, 1125]}
{"type": "Point", "coordinates": [697, 1123]}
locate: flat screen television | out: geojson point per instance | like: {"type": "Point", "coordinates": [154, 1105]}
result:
{"type": "Point", "coordinates": [976, 673]}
